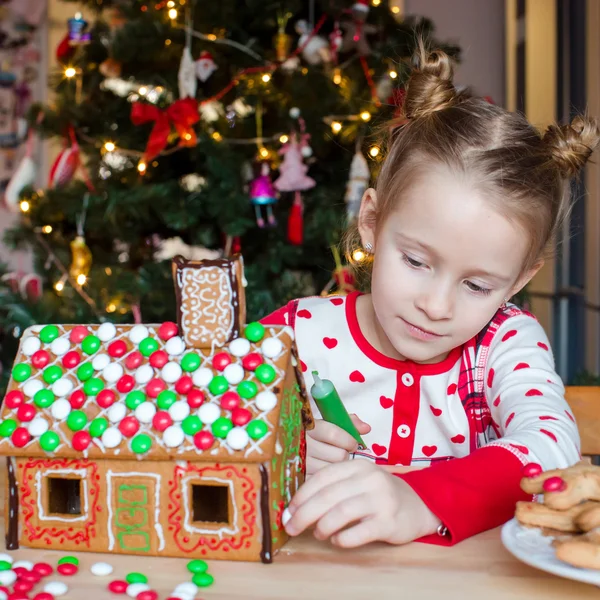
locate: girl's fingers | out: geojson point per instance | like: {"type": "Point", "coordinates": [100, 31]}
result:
{"type": "Point", "coordinates": [326, 452]}
{"type": "Point", "coordinates": [331, 434]}
{"type": "Point", "coordinates": [362, 533]}
{"type": "Point", "coordinates": [351, 510]}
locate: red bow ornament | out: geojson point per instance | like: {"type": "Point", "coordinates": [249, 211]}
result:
{"type": "Point", "coordinates": [182, 114]}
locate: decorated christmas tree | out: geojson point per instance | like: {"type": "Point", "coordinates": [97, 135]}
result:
{"type": "Point", "coordinates": [203, 129]}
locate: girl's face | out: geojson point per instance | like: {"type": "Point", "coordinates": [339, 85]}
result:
{"type": "Point", "coordinates": [444, 261]}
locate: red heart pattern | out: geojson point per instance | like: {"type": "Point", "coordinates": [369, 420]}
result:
{"type": "Point", "coordinates": [337, 301]}
{"type": "Point", "coordinates": [497, 401]}
{"type": "Point", "coordinates": [357, 377]}
{"type": "Point", "coordinates": [304, 314]}
{"type": "Point", "coordinates": [330, 342]}
{"type": "Point", "coordinates": [429, 450]}
{"type": "Point", "coordinates": [451, 389]}
{"type": "Point", "coordinates": [570, 416]}
{"type": "Point", "coordinates": [490, 378]}
{"type": "Point", "coordinates": [521, 449]}
{"type": "Point", "coordinates": [542, 345]}
{"type": "Point", "coordinates": [379, 450]}
{"type": "Point", "coordinates": [436, 411]}
{"type": "Point", "coordinates": [533, 392]}
{"type": "Point", "coordinates": [549, 434]}
{"type": "Point", "coordinates": [510, 418]}
{"type": "Point", "coordinates": [303, 366]}
{"type": "Point", "coordinates": [521, 366]}
{"type": "Point", "coordinates": [458, 439]}
{"type": "Point", "coordinates": [386, 402]}
{"type": "Point", "coordinates": [548, 418]}
{"type": "Point", "coordinates": [509, 334]}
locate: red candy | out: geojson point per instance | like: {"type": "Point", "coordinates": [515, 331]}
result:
{"type": "Point", "coordinates": [117, 349]}
{"type": "Point", "coordinates": [240, 416]}
{"type": "Point", "coordinates": [195, 398]}
{"type": "Point", "coordinates": [67, 569]}
{"type": "Point", "coordinates": [230, 400]}
{"type": "Point", "coordinates": [71, 359]}
{"type": "Point", "coordinates": [554, 484]}
{"type": "Point", "coordinates": [23, 586]}
{"type": "Point", "coordinates": [126, 384]}
{"type": "Point", "coordinates": [43, 596]}
{"type": "Point", "coordinates": [14, 399]}
{"type": "Point", "coordinates": [30, 576]}
{"type": "Point", "coordinates": [78, 334]}
{"type": "Point", "coordinates": [106, 398]}
{"type": "Point", "coordinates": [26, 412]}
{"type": "Point", "coordinates": [251, 361]}
{"type": "Point", "coordinates": [20, 437]}
{"type": "Point", "coordinates": [167, 330]}
{"type": "Point", "coordinates": [184, 385]}
{"type": "Point", "coordinates": [155, 386]}
{"type": "Point", "coordinates": [18, 596]}
{"type": "Point", "coordinates": [134, 360]}
{"type": "Point", "coordinates": [221, 360]}
{"type": "Point", "coordinates": [147, 595]}
{"type": "Point", "coordinates": [81, 440]}
{"type": "Point", "coordinates": [42, 569]}
{"type": "Point", "coordinates": [159, 359]}
{"type": "Point", "coordinates": [162, 420]}
{"type": "Point", "coordinates": [40, 359]}
{"type": "Point", "coordinates": [129, 426]}
{"type": "Point", "coordinates": [203, 440]}
{"type": "Point", "coordinates": [77, 399]}
{"type": "Point", "coordinates": [118, 586]}
{"type": "Point", "coordinates": [20, 571]}
{"type": "Point", "coordinates": [532, 470]}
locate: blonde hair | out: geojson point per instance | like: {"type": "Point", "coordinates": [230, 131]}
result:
{"type": "Point", "coordinates": [523, 173]}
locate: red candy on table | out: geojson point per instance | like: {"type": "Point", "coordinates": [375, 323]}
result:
{"type": "Point", "coordinates": [18, 596]}
{"type": "Point", "coordinates": [43, 596]}
{"type": "Point", "coordinates": [20, 437]}
{"type": "Point", "coordinates": [532, 470]}
{"type": "Point", "coordinates": [230, 400]}
{"type": "Point", "coordinates": [126, 384]}
{"type": "Point", "coordinates": [159, 359]}
{"type": "Point", "coordinates": [81, 440]}
{"type": "Point", "coordinates": [134, 360]}
{"type": "Point", "coordinates": [203, 440]}
{"type": "Point", "coordinates": [167, 330]}
{"type": "Point", "coordinates": [20, 571]}
{"type": "Point", "coordinates": [162, 420]}
{"type": "Point", "coordinates": [117, 349]}
{"type": "Point", "coordinates": [195, 398]}
{"type": "Point", "coordinates": [118, 586]}
{"type": "Point", "coordinates": [22, 585]}
{"type": "Point", "coordinates": [106, 398]}
{"type": "Point", "coordinates": [71, 359]}
{"type": "Point", "coordinates": [67, 569]}
{"type": "Point", "coordinates": [147, 595]}
{"type": "Point", "coordinates": [30, 576]}
{"type": "Point", "coordinates": [251, 361]}
{"type": "Point", "coordinates": [554, 484]}
{"type": "Point", "coordinates": [240, 416]}
{"type": "Point", "coordinates": [129, 426]}
{"type": "Point", "coordinates": [78, 334]}
{"type": "Point", "coordinates": [14, 399]}
{"type": "Point", "coordinates": [155, 386]}
{"type": "Point", "coordinates": [40, 359]}
{"type": "Point", "coordinates": [77, 399]}
{"type": "Point", "coordinates": [42, 569]}
{"type": "Point", "coordinates": [221, 360]}
{"type": "Point", "coordinates": [26, 412]}
{"type": "Point", "coordinates": [184, 385]}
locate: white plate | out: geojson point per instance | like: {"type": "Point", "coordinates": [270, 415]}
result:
{"type": "Point", "coordinates": [535, 550]}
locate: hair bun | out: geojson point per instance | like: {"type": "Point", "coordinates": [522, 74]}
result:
{"type": "Point", "coordinates": [570, 146]}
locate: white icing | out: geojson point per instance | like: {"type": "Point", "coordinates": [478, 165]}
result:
{"type": "Point", "coordinates": [106, 332]}
{"type": "Point", "coordinates": [100, 362]}
{"type": "Point", "coordinates": [266, 400]}
{"type": "Point", "coordinates": [112, 437]}
{"type": "Point", "coordinates": [26, 564]}
{"type": "Point", "coordinates": [138, 333]}
{"type": "Point", "coordinates": [272, 347]}
{"type": "Point", "coordinates": [62, 387]}
{"type": "Point", "coordinates": [31, 345]}
{"type": "Point", "coordinates": [234, 374]}
{"type": "Point", "coordinates": [171, 372]}
{"type": "Point", "coordinates": [56, 588]}
{"type": "Point", "coordinates": [178, 411]}
{"type": "Point", "coordinates": [38, 426]}
{"type": "Point", "coordinates": [144, 374]}
{"type": "Point", "coordinates": [145, 412]}
{"type": "Point", "coordinates": [134, 589]}
{"type": "Point", "coordinates": [112, 372]}
{"type": "Point", "coordinates": [173, 436]}
{"type": "Point", "coordinates": [286, 516]}
{"type": "Point", "coordinates": [175, 346]}
{"type": "Point", "coordinates": [278, 447]}
{"type": "Point", "coordinates": [101, 569]}
{"type": "Point", "coordinates": [7, 577]}
{"type": "Point", "coordinates": [238, 438]}
{"type": "Point", "coordinates": [117, 412]}
{"type": "Point", "coordinates": [60, 409]}
{"type": "Point", "coordinates": [239, 347]}
{"type": "Point", "coordinates": [202, 377]}
{"type": "Point", "coordinates": [32, 387]}
{"type": "Point", "coordinates": [60, 346]}
{"type": "Point", "coordinates": [209, 413]}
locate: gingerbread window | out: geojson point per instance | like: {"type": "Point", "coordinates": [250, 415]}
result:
{"type": "Point", "coordinates": [210, 504]}
{"type": "Point", "coordinates": [64, 496]}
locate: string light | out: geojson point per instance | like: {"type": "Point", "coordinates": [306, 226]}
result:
{"type": "Point", "coordinates": [81, 279]}
{"type": "Point", "coordinates": [173, 14]}
{"type": "Point", "coordinates": [393, 74]}
{"type": "Point", "coordinates": [109, 146]}
{"type": "Point", "coordinates": [336, 126]}
{"type": "Point", "coordinates": [217, 136]}
{"type": "Point", "coordinates": [358, 255]}
{"type": "Point", "coordinates": [365, 115]}
{"type": "Point", "coordinates": [395, 9]}
{"type": "Point", "coordinates": [24, 206]}
{"type": "Point", "coordinates": [212, 37]}
{"type": "Point", "coordinates": [284, 139]}
{"type": "Point", "coordinates": [170, 4]}
{"type": "Point", "coordinates": [337, 76]}
{"type": "Point", "coordinates": [374, 151]}
{"type": "Point", "coordinates": [264, 153]}
{"type": "Point", "coordinates": [143, 91]}
{"type": "Point", "coordinates": [141, 167]}
{"type": "Point", "coordinates": [167, 42]}
{"type": "Point", "coordinates": [70, 72]}
{"type": "Point", "coordinates": [47, 229]}
{"type": "Point", "coordinates": [111, 308]}
{"type": "Point", "coordinates": [108, 271]}
{"type": "Point", "coordinates": [266, 77]}
{"type": "Point", "coordinates": [59, 286]}
{"type": "Point", "coordinates": [375, 2]}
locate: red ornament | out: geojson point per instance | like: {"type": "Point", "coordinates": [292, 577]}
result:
{"type": "Point", "coordinates": [147, 595]}
{"type": "Point", "coordinates": [71, 359]}
{"type": "Point", "coordinates": [106, 398]}
{"type": "Point", "coordinates": [77, 399]}
{"type": "Point", "coordinates": [240, 416]}
{"type": "Point", "coordinates": [159, 359]}
{"type": "Point", "coordinates": [20, 437]}
{"type": "Point", "coordinates": [204, 440]}
{"type": "Point", "coordinates": [78, 334]}
{"type": "Point", "coordinates": [43, 596]}
{"type": "Point", "coordinates": [162, 420]}
{"type": "Point", "coordinates": [532, 470]}
{"type": "Point", "coordinates": [129, 426]}
{"type": "Point", "coordinates": [221, 360]}
{"type": "Point", "coordinates": [81, 440]}
{"type": "Point", "coordinates": [251, 361]}
{"type": "Point", "coordinates": [230, 400]}
{"type": "Point", "coordinates": [23, 586]}
{"type": "Point", "coordinates": [26, 412]}
{"type": "Point", "coordinates": [118, 587]}
{"type": "Point", "coordinates": [554, 484]}
{"type": "Point", "coordinates": [14, 399]}
{"type": "Point", "coordinates": [42, 569]}
{"type": "Point", "coordinates": [126, 384]}
{"type": "Point", "coordinates": [117, 349]}
{"type": "Point", "coordinates": [184, 385]}
{"type": "Point", "coordinates": [134, 360]}
{"type": "Point", "coordinates": [40, 359]}
{"type": "Point", "coordinates": [167, 330]}
{"type": "Point", "coordinates": [155, 386]}
{"type": "Point", "coordinates": [67, 569]}
{"type": "Point", "coordinates": [195, 398]}
{"type": "Point", "coordinates": [295, 225]}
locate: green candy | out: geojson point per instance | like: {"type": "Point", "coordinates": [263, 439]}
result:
{"type": "Point", "coordinates": [136, 578]}
{"type": "Point", "coordinates": [68, 559]}
{"type": "Point", "coordinates": [49, 333]}
{"type": "Point", "coordinates": [191, 425]}
{"type": "Point", "coordinates": [219, 385]}
{"type": "Point", "coordinates": [43, 398]}
{"type": "Point", "coordinates": [49, 441]}
{"type": "Point", "coordinates": [52, 374]}
{"type": "Point", "coordinates": [76, 420]}
{"type": "Point", "coordinates": [165, 399]}
{"type": "Point", "coordinates": [203, 579]}
{"type": "Point", "coordinates": [257, 429]}
{"type": "Point", "coordinates": [134, 399]}
{"type": "Point", "coordinates": [148, 346]}
{"type": "Point", "coordinates": [265, 373]}
{"type": "Point", "coordinates": [190, 362]}
{"type": "Point", "coordinates": [247, 389]}
{"type": "Point", "coordinates": [254, 332]}
{"type": "Point", "coordinates": [90, 344]}
{"type": "Point", "coordinates": [4, 565]}
{"type": "Point", "coordinates": [98, 427]}
{"type": "Point", "coordinates": [7, 427]}
{"type": "Point", "coordinates": [21, 372]}
{"type": "Point", "coordinates": [93, 386]}
{"type": "Point", "coordinates": [85, 371]}
{"type": "Point", "coordinates": [221, 427]}
{"type": "Point", "coordinates": [141, 444]}
{"type": "Point", "coordinates": [197, 566]}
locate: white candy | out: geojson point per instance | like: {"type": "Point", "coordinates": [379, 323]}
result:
{"type": "Point", "coordinates": [106, 332]}
{"type": "Point", "coordinates": [286, 516]}
{"type": "Point", "coordinates": [234, 374]}
{"type": "Point", "coordinates": [117, 412]}
{"type": "Point", "coordinates": [145, 412]}
{"type": "Point", "coordinates": [178, 411]}
{"type": "Point", "coordinates": [101, 361]}
{"type": "Point", "coordinates": [112, 372]}
{"type": "Point", "coordinates": [138, 333]}
{"type": "Point", "coordinates": [7, 577]}
{"type": "Point", "coordinates": [60, 346]}
{"type": "Point", "coordinates": [182, 596]}
{"type": "Point", "coordinates": [112, 437]}
{"type": "Point", "coordinates": [171, 372]}
{"type": "Point", "coordinates": [62, 387]}
{"type": "Point", "coordinates": [266, 400]}
{"type": "Point", "coordinates": [38, 426]}
{"type": "Point", "coordinates": [173, 436]}
{"type": "Point", "coordinates": [60, 409]}
{"type": "Point", "coordinates": [32, 387]}
{"type": "Point", "coordinates": [56, 588]}
{"type": "Point", "coordinates": [101, 569]}
{"type": "Point", "coordinates": [3, 595]}
{"type": "Point", "coordinates": [187, 587]}
{"type": "Point", "coordinates": [7, 558]}
{"type": "Point", "coordinates": [238, 438]}
{"type": "Point", "coordinates": [272, 347]}
{"type": "Point", "coordinates": [144, 374]}
{"type": "Point", "coordinates": [239, 347]}
{"type": "Point", "coordinates": [31, 345]}
{"type": "Point", "coordinates": [26, 564]}
{"type": "Point", "coordinates": [202, 377]}
{"type": "Point", "coordinates": [134, 589]}
{"type": "Point", "coordinates": [209, 413]}
{"type": "Point", "coordinates": [175, 346]}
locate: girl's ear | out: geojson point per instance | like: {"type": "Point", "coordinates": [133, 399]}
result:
{"type": "Point", "coordinates": [367, 217]}
{"type": "Point", "coordinates": [526, 277]}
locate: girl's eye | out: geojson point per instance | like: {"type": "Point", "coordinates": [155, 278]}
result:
{"type": "Point", "coordinates": [478, 289]}
{"type": "Point", "coordinates": [412, 262]}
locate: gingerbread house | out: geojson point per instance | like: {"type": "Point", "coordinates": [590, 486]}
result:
{"type": "Point", "coordinates": [181, 439]}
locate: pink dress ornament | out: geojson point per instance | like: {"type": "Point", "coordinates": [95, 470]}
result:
{"type": "Point", "coordinates": [262, 193]}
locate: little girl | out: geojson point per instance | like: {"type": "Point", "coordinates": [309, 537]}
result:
{"type": "Point", "coordinates": [453, 389]}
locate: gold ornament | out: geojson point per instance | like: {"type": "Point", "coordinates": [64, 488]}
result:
{"type": "Point", "coordinates": [81, 262]}
{"type": "Point", "coordinates": [283, 43]}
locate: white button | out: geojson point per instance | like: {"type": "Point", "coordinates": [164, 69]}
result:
{"type": "Point", "coordinates": [408, 379]}
{"type": "Point", "coordinates": [403, 431]}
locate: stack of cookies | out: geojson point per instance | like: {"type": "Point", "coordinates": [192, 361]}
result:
{"type": "Point", "coordinates": [569, 511]}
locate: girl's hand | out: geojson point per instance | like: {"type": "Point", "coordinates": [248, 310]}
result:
{"type": "Point", "coordinates": [327, 443]}
{"type": "Point", "coordinates": [357, 502]}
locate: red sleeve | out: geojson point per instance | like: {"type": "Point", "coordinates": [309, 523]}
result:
{"type": "Point", "coordinates": [471, 494]}
{"type": "Point", "coordinates": [286, 315]}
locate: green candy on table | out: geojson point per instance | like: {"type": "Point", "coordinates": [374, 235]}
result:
{"type": "Point", "coordinates": [5, 565]}
{"type": "Point", "coordinates": [21, 372]}
{"type": "Point", "coordinates": [7, 427]}
{"type": "Point", "coordinates": [166, 399]}
{"type": "Point", "coordinates": [265, 373]}
{"type": "Point", "coordinates": [256, 429]}
{"type": "Point", "coordinates": [190, 362]}
{"type": "Point", "coordinates": [140, 444]}
{"type": "Point", "coordinates": [90, 344]}
{"type": "Point", "coordinates": [93, 386]}
{"type": "Point", "coordinates": [52, 374]}
{"type": "Point", "coordinates": [254, 332]}
{"type": "Point", "coordinates": [218, 385]}
{"type": "Point", "coordinates": [247, 389]}
{"type": "Point", "coordinates": [49, 333]}
{"type": "Point", "coordinates": [76, 420]}
{"type": "Point", "coordinates": [191, 425]}
{"type": "Point", "coordinates": [203, 579]}
{"type": "Point", "coordinates": [49, 441]}
{"type": "Point", "coordinates": [134, 399]}
{"type": "Point", "coordinates": [85, 371]}
{"type": "Point", "coordinates": [221, 427]}
{"type": "Point", "coordinates": [69, 559]}
{"type": "Point", "coordinates": [136, 578]}
{"type": "Point", "coordinates": [43, 398]}
{"type": "Point", "coordinates": [197, 566]}
{"type": "Point", "coordinates": [148, 346]}
{"type": "Point", "coordinates": [98, 426]}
